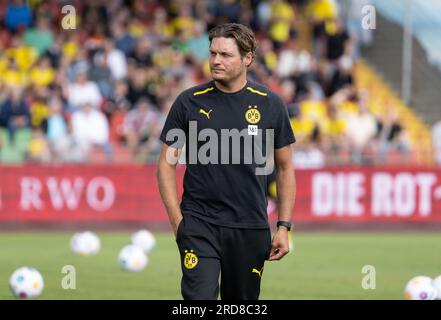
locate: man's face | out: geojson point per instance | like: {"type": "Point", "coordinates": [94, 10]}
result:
{"type": "Point", "coordinates": [226, 63]}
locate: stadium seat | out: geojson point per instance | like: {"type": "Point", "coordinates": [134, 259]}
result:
{"type": "Point", "coordinates": [14, 153]}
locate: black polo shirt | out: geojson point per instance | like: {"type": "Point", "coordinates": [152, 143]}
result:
{"type": "Point", "coordinates": [225, 134]}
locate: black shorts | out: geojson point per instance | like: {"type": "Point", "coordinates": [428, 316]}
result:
{"type": "Point", "coordinates": [207, 251]}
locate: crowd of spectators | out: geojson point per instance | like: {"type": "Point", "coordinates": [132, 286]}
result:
{"type": "Point", "coordinates": [108, 84]}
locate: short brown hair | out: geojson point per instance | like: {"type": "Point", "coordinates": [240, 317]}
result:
{"type": "Point", "coordinates": [244, 36]}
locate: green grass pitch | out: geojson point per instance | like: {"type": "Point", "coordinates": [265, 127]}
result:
{"type": "Point", "coordinates": [323, 265]}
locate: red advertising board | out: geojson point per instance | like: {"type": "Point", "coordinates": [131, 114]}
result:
{"type": "Point", "coordinates": [369, 195]}
{"type": "Point", "coordinates": [130, 193]}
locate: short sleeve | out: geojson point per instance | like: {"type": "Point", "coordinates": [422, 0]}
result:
{"type": "Point", "coordinates": [283, 134]}
{"type": "Point", "coordinates": [176, 125]}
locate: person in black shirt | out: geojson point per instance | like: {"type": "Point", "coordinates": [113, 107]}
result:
{"type": "Point", "coordinates": [229, 127]}
{"type": "Point", "coordinates": [338, 42]}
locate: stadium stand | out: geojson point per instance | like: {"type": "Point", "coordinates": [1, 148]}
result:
{"type": "Point", "coordinates": [127, 61]}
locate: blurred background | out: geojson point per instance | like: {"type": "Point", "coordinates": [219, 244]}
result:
{"type": "Point", "coordinates": [85, 88]}
{"type": "Point", "coordinates": [100, 92]}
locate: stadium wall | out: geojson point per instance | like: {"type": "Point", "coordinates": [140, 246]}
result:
{"type": "Point", "coordinates": [129, 193]}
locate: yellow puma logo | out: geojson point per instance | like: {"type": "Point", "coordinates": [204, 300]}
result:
{"type": "Point", "coordinates": [257, 271]}
{"type": "Point", "coordinates": [205, 112]}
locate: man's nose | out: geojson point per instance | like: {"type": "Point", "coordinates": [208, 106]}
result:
{"type": "Point", "coordinates": [215, 60]}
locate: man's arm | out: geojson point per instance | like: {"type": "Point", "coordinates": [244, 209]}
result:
{"type": "Point", "coordinates": [286, 189]}
{"type": "Point", "coordinates": [167, 184]}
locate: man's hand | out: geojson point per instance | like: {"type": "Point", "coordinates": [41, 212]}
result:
{"type": "Point", "coordinates": [175, 225]}
{"type": "Point", "coordinates": [168, 186]}
{"type": "Point", "coordinates": [280, 246]}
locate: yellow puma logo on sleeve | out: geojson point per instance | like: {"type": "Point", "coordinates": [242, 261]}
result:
{"type": "Point", "coordinates": [257, 271]}
{"type": "Point", "coordinates": [205, 112]}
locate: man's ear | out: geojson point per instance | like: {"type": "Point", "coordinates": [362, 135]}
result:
{"type": "Point", "coordinates": [248, 59]}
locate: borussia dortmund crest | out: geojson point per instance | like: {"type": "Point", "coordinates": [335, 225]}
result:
{"type": "Point", "coordinates": [190, 259]}
{"type": "Point", "coordinates": [252, 115]}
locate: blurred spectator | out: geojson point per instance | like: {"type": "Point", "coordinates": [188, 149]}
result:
{"type": "Point", "coordinates": [41, 37]}
{"type": "Point", "coordinates": [263, 15]}
{"type": "Point", "coordinates": [115, 60]}
{"type": "Point", "coordinates": [281, 22]}
{"type": "Point", "coordinates": [302, 126]}
{"type": "Point", "coordinates": [123, 40]}
{"type": "Point", "coordinates": [226, 11]}
{"type": "Point", "coordinates": [335, 142]}
{"type": "Point", "coordinates": [198, 42]}
{"type": "Point", "coordinates": [118, 99]}
{"type": "Point", "coordinates": [392, 137]}
{"type": "Point", "coordinates": [91, 129]}
{"type": "Point", "coordinates": [22, 55]}
{"type": "Point", "coordinates": [14, 113]}
{"type": "Point", "coordinates": [142, 54]}
{"type": "Point", "coordinates": [18, 15]}
{"type": "Point", "coordinates": [82, 91]}
{"type": "Point", "coordinates": [354, 14]}
{"type": "Point", "coordinates": [361, 129]}
{"type": "Point", "coordinates": [183, 25]}
{"type": "Point", "coordinates": [12, 76]}
{"type": "Point", "coordinates": [342, 76]}
{"type": "Point", "coordinates": [288, 91]}
{"type": "Point", "coordinates": [154, 144]}
{"type": "Point", "coordinates": [309, 156]}
{"type": "Point", "coordinates": [338, 40]}
{"type": "Point", "coordinates": [62, 145]}
{"type": "Point", "coordinates": [268, 56]}
{"type": "Point", "coordinates": [320, 12]}
{"type": "Point", "coordinates": [101, 75]}
{"type": "Point", "coordinates": [38, 148]}
{"type": "Point", "coordinates": [292, 61]}
{"type": "Point", "coordinates": [436, 141]}
{"type": "Point", "coordinates": [39, 111]}
{"type": "Point", "coordinates": [42, 74]}
{"type": "Point", "coordinates": [138, 86]}
{"type": "Point", "coordinates": [56, 124]}
{"type": "Point", "coordinates": [137, 126]}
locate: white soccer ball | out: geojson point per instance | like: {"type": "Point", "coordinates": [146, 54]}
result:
{"type": "Point", "coordinates": [420, 288]}
{"type": "Point", "coordinates": [437, 285]}
{"type": "Point", "coordinates": [26, 282]}
{"type": "Point", "coordinates": [132, 258]}
{"type": "Point", "coordinates": [85, 243]}
{"type": "Point", "coordinates": [144, 239]}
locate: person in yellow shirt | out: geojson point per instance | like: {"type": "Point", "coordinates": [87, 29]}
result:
{"type": "Point", "coordinates": [184, 22]}
{"type": "Point", "coordinates": [302, 125]}
{"type": "Point", "coordinates": [42, 74]}
{"type": "Point", "coordinates": [38, 148]}
{"type": "Point", "coordinates": [282, 21]}
{"type": "Point", "coordinates": [335, 142]}
{"type": "Point", "coordinates": [24, 56]}
{"type": "Point", "coordinates": [320, 12]}
{"type": "Point", "coordinates": [39, 113]}
{"type": "Point", "coordinates": [12, 76]}
{"type": "Point", "coordinates": [313, 109]}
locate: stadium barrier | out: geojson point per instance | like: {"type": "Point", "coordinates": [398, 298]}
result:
{"type": "Point", "coordinates": [72, 193]}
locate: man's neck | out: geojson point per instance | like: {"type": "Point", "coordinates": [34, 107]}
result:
{"type": "Point", "coordinates": [233, 86]}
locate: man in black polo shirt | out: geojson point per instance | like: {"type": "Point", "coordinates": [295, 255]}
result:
{"type": "Point", "coordinates": [229, 126]}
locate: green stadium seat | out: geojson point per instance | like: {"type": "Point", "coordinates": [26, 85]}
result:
{"type": "Point", "coordinates": [14, 153]}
